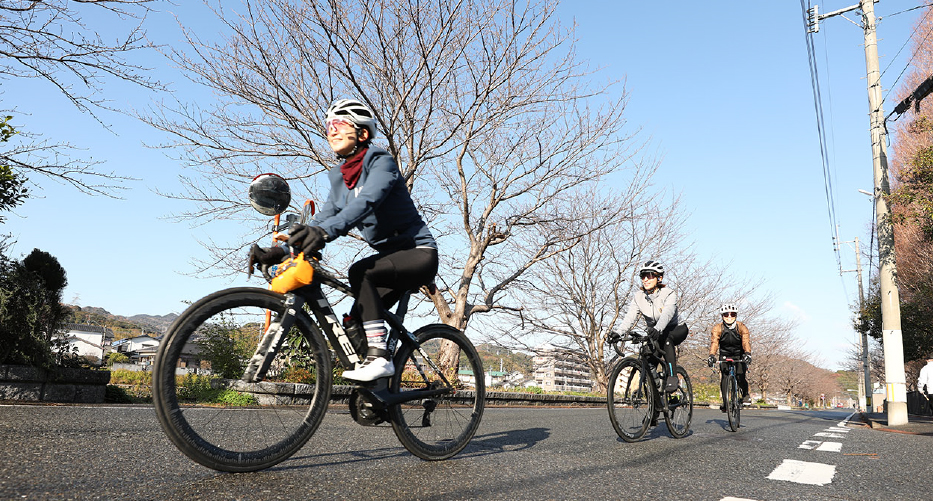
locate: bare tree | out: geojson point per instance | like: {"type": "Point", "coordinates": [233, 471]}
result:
{"type": "Point", "coordinates": [494, 121]}
{"type": "Point", "coordinates": [50, 41]}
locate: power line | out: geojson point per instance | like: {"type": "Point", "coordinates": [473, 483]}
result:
{"type": "Point", "coordinates": [821, 131]}
{"type": "Point", "coordinates": [913, 55]}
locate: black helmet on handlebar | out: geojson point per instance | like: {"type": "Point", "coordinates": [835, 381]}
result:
{"type": "Point", "coordinates": [269, 194]}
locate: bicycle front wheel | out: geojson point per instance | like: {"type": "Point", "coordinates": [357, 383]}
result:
{"type": "Point", "coordinates": [440, 426]}
{"type": "Point", "coordinates": [734, 405]}
{"type": "Point", "coordinates": [629, 399]}
{"type": "Point", "coordinates": [208, 409]}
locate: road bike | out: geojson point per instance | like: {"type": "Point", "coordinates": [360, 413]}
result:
{"type": "Point", "coordinates": [731, 401]}
{"type": "Point", "coordinates": [636, 397]}
{"type": "Point", "coordinates": [267, 407]}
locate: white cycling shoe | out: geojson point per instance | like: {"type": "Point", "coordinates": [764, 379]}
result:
{"type": "Point", "coordinates": [372, 369]}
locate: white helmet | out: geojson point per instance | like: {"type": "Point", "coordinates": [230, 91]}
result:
{"type": "Point", "coordinates": [353, 111]}
{"type": "Point", "coordinates": [728, 308]}
{"type": "Point", "coordinates": [652, 266]}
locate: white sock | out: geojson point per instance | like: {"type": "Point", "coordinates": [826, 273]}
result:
{"type": "Point", "coordinates": [375, 333]}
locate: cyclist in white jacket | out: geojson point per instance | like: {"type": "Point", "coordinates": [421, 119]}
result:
{"type": "Point", "coordinates": [925, 381]}
{"type": "Point", "coordinates": [657, 304]}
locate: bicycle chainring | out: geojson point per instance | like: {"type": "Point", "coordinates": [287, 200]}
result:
{"type": "Point", "coordinates": [363, 412]}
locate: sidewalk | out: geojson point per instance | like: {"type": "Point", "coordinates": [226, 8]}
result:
{"type": "Point", "coordinates": [916, 425]}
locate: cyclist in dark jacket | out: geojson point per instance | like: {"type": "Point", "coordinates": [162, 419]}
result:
{"type": "Point", "coordinates": [731, 339]}
{"type": "Point", "coordinates": [657, 304]}
{"type": "Point", "coordinates": [368, 193]}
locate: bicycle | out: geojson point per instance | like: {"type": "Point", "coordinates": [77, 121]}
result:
{"type": "Point", "coordinates": [274, 402]}
{"type": "Point", "coordinates": [731, 401]}
{"type": "Point", "coordinates": [635, 395]}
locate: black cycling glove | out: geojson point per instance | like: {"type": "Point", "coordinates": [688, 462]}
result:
{"type": "Point", "coordinates": [747, 358]}
{"type": "Point", "coordinates": [265, 256]}
{"type": "Point", "coordinates": [307, 239]}
{"type": "Point", "coordinates": [653, 333]}
{"type": "Point", "coordinates": [711, 361]}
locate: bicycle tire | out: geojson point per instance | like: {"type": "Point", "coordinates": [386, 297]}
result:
{"type": "Point", "coordinates": [680, 406]}
{"type": "Point", "coordinates": [437, 428]}
{"type": "Point", "coordinates": [224, 436]}
{"type": "Point", "coordinates": [734, 407]}
{"type": "Point", "coordinates": [630, 400]}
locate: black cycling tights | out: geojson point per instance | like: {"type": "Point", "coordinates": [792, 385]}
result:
{"type": "Point", "coordinates": [739, 376]}
{"type": "Point", "coordinates": [668, 339]}
{"type": "Point", "coordinates": [378, 281]}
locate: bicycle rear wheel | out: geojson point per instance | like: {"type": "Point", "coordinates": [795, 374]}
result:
{"type": "Point", "coordinates": [629, 399]}
{"type": "Point", "coordinates": [438, 427]}
{"type": "Point", "coordinates": [734, 406]}
{"type": "Point", "coordinates": [214, 416]}
{"type": "Point", "coordinates": [680, 406]}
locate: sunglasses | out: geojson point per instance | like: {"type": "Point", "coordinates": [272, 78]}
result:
{"type": "Point", "coordinates": [728, 315]}
{"type": "Point", "coordinates": [649, 275]}
{"type": "Point", "coordinates": [339, 124]}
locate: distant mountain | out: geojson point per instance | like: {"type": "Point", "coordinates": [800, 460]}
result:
{"type": "Point", "coordinates": [496, 358]}
{"type": "Point", "coordinates": [123, 327]}
{"type": "Point", "coordinates": [162, 322]}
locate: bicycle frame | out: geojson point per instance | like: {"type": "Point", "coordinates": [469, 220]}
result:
{"type": "Point", "coordinates": [314, 297]}
{"type": "Point", "coordinates": [650, 357]}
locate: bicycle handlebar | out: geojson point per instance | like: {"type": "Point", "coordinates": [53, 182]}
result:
{"type": "Point", "coordinates": [635, 338]}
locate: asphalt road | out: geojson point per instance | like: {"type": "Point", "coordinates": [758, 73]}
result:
{"type": "Point", "coordinates": [119, 452]}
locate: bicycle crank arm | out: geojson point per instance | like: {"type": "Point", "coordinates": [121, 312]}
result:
{"type": "Point", "coordinates": [381, 398]}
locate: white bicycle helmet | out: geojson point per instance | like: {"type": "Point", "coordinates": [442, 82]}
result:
{"type": "Point", "coordinates": [652, 266]}
{"type": "Point", "coordinates": [728, 308]}
{"type": "Point", "coordinates": [353, 111]}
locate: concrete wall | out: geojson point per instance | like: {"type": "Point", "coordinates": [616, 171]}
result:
{"type": "Point", "coordinates": [31, 384]}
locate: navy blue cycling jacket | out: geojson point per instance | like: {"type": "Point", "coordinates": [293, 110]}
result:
{"type": "Point", "coordinates": [379, 206]}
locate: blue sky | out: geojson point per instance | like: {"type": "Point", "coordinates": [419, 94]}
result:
{"type": "Point", "coordinates": [723, 92]}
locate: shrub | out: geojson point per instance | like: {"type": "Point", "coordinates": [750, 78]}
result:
{"type": "Point", "coordinates": [231, 397]}
{"type": "Point", "coordinates": [132, 378]}
{"type": "Point", "coordinates": [116, 357]}
{"type": "Point", "coordinates": [116, 395]}
{"type": "Point", "coordinates": [299, 375]}
{"type": "Point", "coordinates": [195, 388]}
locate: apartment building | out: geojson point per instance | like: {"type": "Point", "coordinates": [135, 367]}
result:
{"type": "Point", "coordinates": [561, 369]}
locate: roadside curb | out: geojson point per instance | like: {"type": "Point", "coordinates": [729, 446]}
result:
{"type": "Point", "coordinates": [917, 425]}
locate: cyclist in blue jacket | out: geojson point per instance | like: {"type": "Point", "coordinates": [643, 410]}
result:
{"type": "Point", "coordinates": [368, 193]}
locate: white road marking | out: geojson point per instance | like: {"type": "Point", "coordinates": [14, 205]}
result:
{"type": "Point", "coordinates": [809, 444]}
{"type": "Point", "coordinates": [830, 447]}
{"type": "Point", "coordinates": [802, 472]}
{"type": "Point", "coordinates": [828, 435]}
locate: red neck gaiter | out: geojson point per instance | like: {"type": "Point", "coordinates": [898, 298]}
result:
{"type": "Point", "coordinates": [352, 168]}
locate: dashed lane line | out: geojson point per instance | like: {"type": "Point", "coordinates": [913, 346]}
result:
{"type": "Point", "coordinates": [803, 472]}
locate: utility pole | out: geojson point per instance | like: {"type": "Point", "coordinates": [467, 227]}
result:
{"type": "Point", "coordinates": [864, 383]}
{"type": "Point", "coordinates": [895, 379]}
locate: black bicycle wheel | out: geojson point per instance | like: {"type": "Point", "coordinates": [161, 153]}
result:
{"type": "Point", "coordinates": [205, 407]}
{"type": "Point", "coordinates": [438, 427]}
{"type": "Point", "coordinates": [734, 406]}
{"type": "Point", "coordinates": [680, 406]}
{"type": "Point", "coordinates": [629, 399]}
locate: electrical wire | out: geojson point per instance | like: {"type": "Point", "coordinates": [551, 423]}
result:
{"type": "Point", "coordinates": [821, 132]}
{"type": "Point", "coordinates": [913, 55]}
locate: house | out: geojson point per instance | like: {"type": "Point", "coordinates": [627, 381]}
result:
{"type": "Point", "coordinates": [493, 378]}
{"type": "Point", "coordinates": [90, 341]}
{"type": "Point", "coordinates": [132, 345]}
{"type": "Point", "coordinates": [561, 369]}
